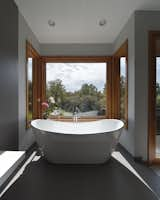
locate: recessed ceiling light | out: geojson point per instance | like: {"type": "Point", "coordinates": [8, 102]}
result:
{"type": "Point", "coordinates": [51, 23]}
{"type": "Point", "coordinates": [102, 22]}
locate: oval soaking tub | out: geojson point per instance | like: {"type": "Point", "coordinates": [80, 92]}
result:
{"type": "Point", "coordinates": [77, 142]}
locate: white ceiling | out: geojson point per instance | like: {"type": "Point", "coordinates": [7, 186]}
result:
{"type": "Point", "coordinates": [77, 20]}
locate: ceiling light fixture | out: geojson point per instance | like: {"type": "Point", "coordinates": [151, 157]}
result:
{"type": "Point", "coordinates": [51, 23]}
{"type": "Point", "coordinates": [102, 22]}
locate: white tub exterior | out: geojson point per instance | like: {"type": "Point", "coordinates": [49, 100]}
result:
{"type": "Point", "coordinates": [77, 142]}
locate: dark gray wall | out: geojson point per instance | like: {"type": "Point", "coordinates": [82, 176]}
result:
{"type": "Point", "coordinates": [76, 49]}
{"type": "Point", "coordinates": [26, 137]}
{"type": "Point", "coordinates": [8, 75]}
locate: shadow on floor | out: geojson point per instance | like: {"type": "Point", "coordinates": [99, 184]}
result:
{"type": "Point", "coordinates": [109, 181]}
{"type": "Point", "coordinates": [143, 170]}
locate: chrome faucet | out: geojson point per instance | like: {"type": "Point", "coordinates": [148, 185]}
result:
{"type": "Point", "coordinates": [75, 117]}
{"type": "Point", "coordinates": [76, 114]}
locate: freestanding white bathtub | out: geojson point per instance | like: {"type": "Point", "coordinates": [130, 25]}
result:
{"type": "Point", "coordinates": [77, 142]}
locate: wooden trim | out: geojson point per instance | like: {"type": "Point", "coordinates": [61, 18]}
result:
{"type": "Point", "coordinates": [31, 52]}
{"type": "Point", "coordinates": [121, 52]}
{"type": "Point", "coordinates": [43, 84]}
{"type": "Point", "coordinates": [82, 119]}
{"type": "Point", "coordinates": [39, 88]}
{"type": "Point", "coordinates": [115, 88]}
{"type": "Point", "coordinates": [60, 59]}
{"type": "Point", "coordinates": [126, 104]}
{"type": "Point", "coordinates": [109, 90]}
{"type": "Point", "coordinates": [86, 59]}
{"type": "Point", "coordinates": [156, 161]}
{"type": "Point", "coordinates": [152, 36]}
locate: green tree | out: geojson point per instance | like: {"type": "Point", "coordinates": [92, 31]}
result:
{"type": "Point", "coordinates": [122, 96]}
{"type": "Point", "coordinates": [57, 90]}
{"type": "Point", "coordinates": [71, 102]}
{"type": "Point", "coordinates": [87, 98]}
{"type": "Point", "coordinates": [89, 103]}
{"type": "Point", "coordinates": [158, 94]}
{"type": "Point", "coordinates": [88, 89]}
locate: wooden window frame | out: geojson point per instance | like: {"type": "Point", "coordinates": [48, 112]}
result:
{"type": "Point", "coordinates": [88, 59]}
{"type": "Point", "coordinates": [39, 79]}
{"type": "Point", "coordinates": [121, 52]}
{"type": "Point", "coordinates": [31, 52]}
{"type": "Point", "coordinates": [152, 36]}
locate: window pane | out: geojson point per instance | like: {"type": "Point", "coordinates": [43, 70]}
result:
{"type": "Point", "coordinates": [30, 88]}
{"type": "Point", "coordinates": [123, 85]}
{"type": "Point", "coordinates": [77, 85]}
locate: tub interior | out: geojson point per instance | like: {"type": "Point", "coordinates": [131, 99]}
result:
{"type": "Point", "coordinates": [80, 128]}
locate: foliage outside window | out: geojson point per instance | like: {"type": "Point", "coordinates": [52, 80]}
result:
{"type": "Point", "coordinates": [123, 87]}
{"type": "Point", "coordinates": [30, 88]}
{"type": "Point", "coordinates": [158, 98]}
{"type": "Point", "coordinates": [80, 86]}
{"type": "Point", "coordinates": [158, 82]}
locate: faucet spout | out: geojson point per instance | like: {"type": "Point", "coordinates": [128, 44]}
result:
{"type": "Point", "coordinates": [75, 117]}
{"type": "Point", "coordinates": [75, 114]}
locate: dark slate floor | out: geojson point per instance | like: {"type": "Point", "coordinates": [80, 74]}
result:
{"type": "Point", "coordinates": [109, 181]}
{"type": "Point", "coordinates": [144, 171]}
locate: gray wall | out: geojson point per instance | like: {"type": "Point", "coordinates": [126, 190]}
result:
{"type": "Point", "coordinates": [135, 139]}
{"type": "Point", "coordinates": [8, 76]}
{"type": "Point", "coordinates": [76, 49]}
{"type": "Point", "coordinates": [128, 32]}
{"type": "Point", "coordinates": [144, 21]}
{"type": "Point", "coordinates": [25, 136]}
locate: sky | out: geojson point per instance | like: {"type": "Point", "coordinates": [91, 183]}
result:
{"type": "Point", "coordinates": [30, 69]}
{"type": "Point", "coordinates": [73, 75]}
{"type": "Point", "coordinates": [158, 69]}
{"type": "Point", "coordinates": [123, 66]}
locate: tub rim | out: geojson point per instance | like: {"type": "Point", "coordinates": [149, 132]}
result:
{"type": "Point", "coordinates": [33, 125]}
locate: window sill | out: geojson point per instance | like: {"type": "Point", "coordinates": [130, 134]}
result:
{"type": "Point", "coordinates": [82, 119]}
